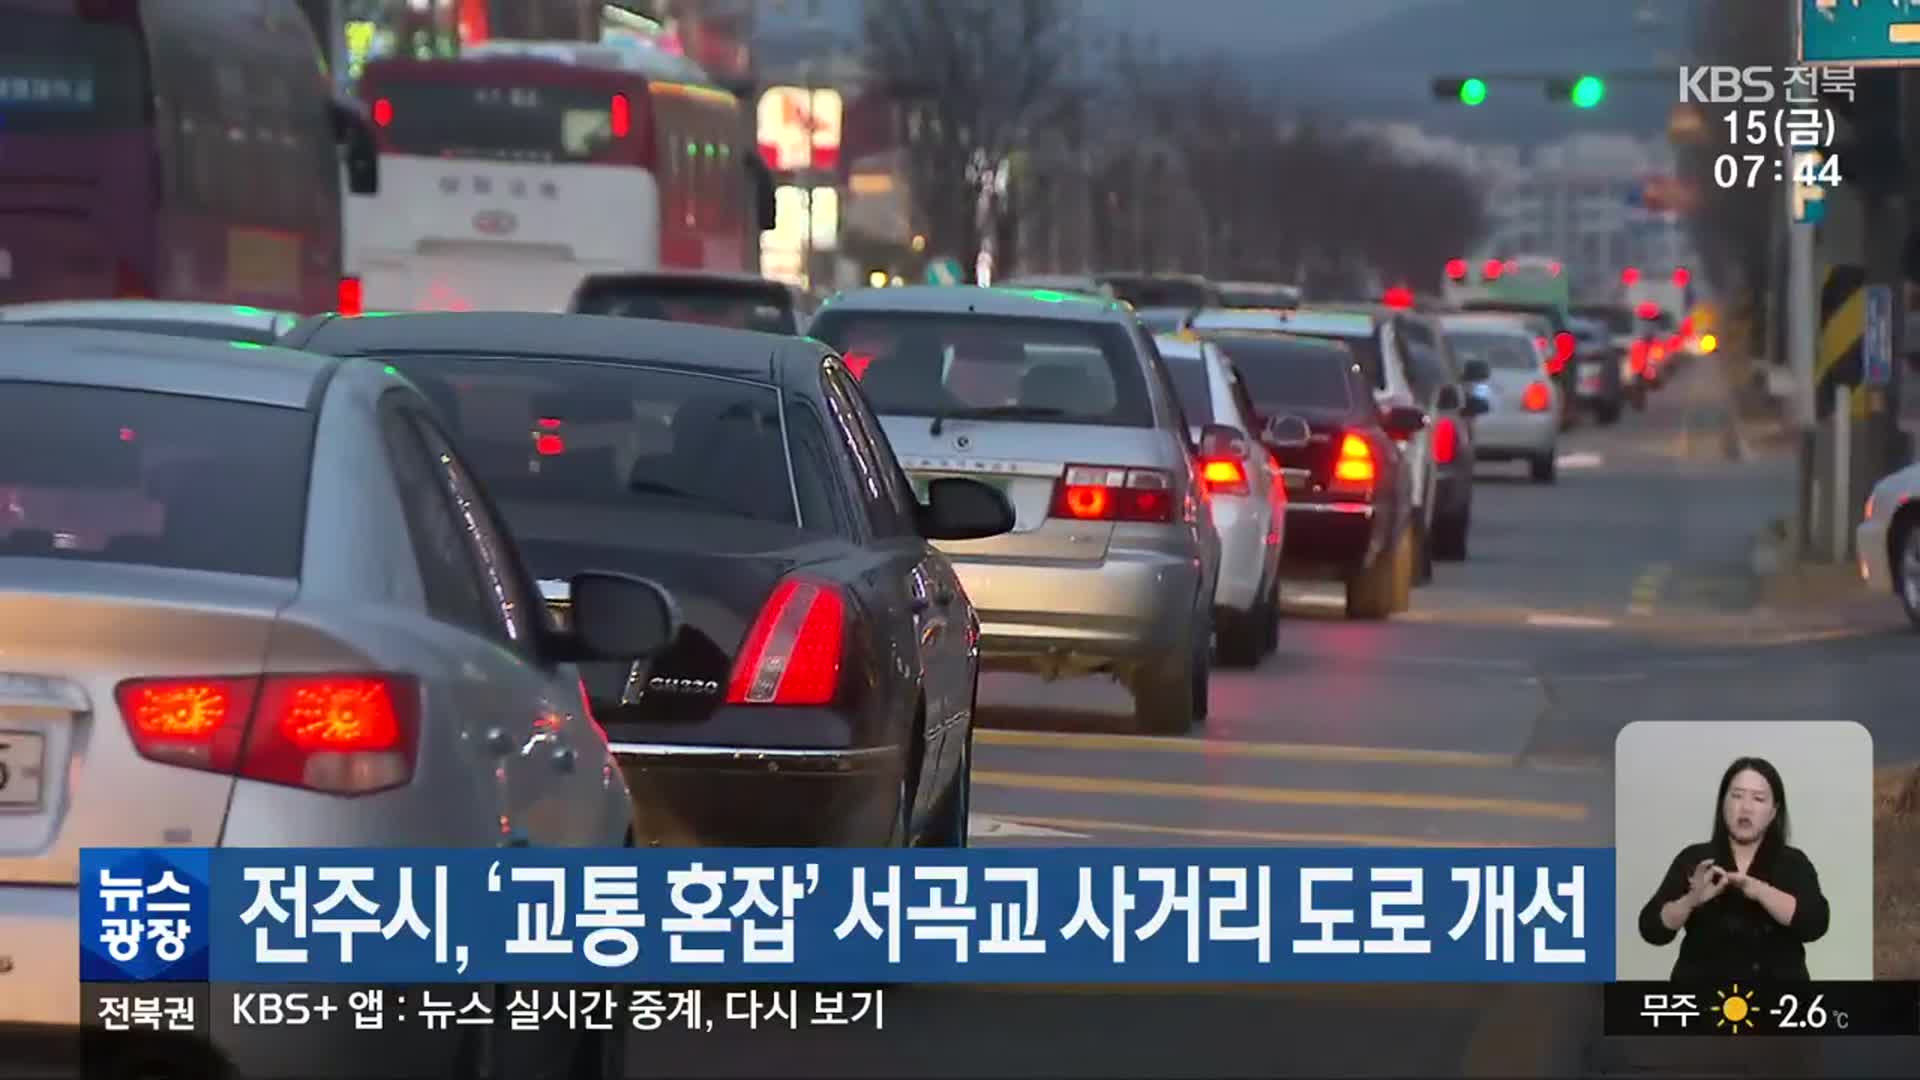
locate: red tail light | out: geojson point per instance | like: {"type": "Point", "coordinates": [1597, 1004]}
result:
{"type": "Point", "coordinates": [382, 112]}
{"type": "Point", "coordinates": [857, 363]}
{"type": "Point", "coordinates": [1492, 269]}
{"type": "Point", "coordinates": [1630, 276]}
{"type": "Point", "coordinates": [1398, 298]}
{"type": "Point", "coordinates": [549, 445]}
{"type": "Point", "coordinates": [621, 116]}
{"type": "Point", "coordinates": [1638, 357]}
{"type": "Point", "coordinates": [1564, 346]}
{"type": "Point", "coordinates": [792, 654]}
{"type": "Point", "coordinates": [129, 283]}
{"type": "Point", "coordinates": [1538, 397]}
{"type": "Point", "coordinates": [1648, 310]}
{"type": "Point", "coordinates": [1353, 470]}
{"type": "Point", "coordinates": [1456, 269]}
{"type": "Point", "coordinates": [349, 296]}
{"type": "Point", "coordinates": [1676, 343]}
{"type": "Point", "coordinates": [1681, 275]}
{"type": "Point", "coordinates": [1113, 493]}
{"type": "Point", "coordinates": [1224, 476]}
{"type": "Point", "coordinates": [344, 734]}
{"type": "Point", "coordinates": [1446, 440]}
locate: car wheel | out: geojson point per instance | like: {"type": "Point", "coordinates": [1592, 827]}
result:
{"type": "Point", "coordinates": [1243, 636]}
{"type": "Point", "coordinates": [1450, 535]}
{"type": "Point", "coordinates": [1906, 567]}
{"type": "Point", "coordinates": [1545, 468]}
{"type": "Point", "coordinates": [956, 806]}
{"type": "Point", "coordinates": [1271, 624]}
{"type": "Point", "coordinates": [1168, 699]}
{"type": "Point", "coordinates": [1374, 591]}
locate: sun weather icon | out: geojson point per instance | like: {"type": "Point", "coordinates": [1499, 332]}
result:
{"type": "Point", "coordinates": [1735, 1009]}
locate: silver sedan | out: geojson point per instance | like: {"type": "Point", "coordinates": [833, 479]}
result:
{"type": "Point", "coordinates": [251, 598]}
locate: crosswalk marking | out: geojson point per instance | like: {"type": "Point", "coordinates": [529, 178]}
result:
{"type": "Point", "coordinates": [1282, 796]}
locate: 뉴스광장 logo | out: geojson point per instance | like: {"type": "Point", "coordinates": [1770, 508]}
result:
{"type": "Point", "coordinates": [144, 915]}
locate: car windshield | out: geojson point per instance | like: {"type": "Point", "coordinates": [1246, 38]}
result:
{"type": "Point", "coordinates": [1191, 386]}
{"type": "Point", "coordinates": [766, 308]}
{"type": "Point", "coordinates": [1500, 352]}
{"type": "Point", "coordinates": [547, 437]}
{"type": "Point", "coordinates": [125, 476]}
{"type": "Point", "coordinates": [1365, 351]}
{"type": "Point", "coordinates": [1296, 374]}
{"type": "Point", "coordinates": [1041, 369]}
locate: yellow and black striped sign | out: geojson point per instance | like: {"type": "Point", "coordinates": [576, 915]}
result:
{"type": "Point", "coordinates": [1843, 326]}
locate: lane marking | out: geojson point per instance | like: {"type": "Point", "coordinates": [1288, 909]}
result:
{"type": "Point", "coordinates": [1580, 460]}
{"type": "Point", "coordinates": [1602, 677]}
{"type": "Point", "coordinates": [1570, 622]}
{"type": "Point", "coordinates": [1266, 836]}
{"type": "Point", "coordinates": [1321, 752]}
{"type": "Point", "coordinates": [1281, 796]}
{"type": "Point", "coordinates": [986, 826]}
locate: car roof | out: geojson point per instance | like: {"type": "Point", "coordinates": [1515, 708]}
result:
{"type": "Point", "coordinates": [234, 315]}
{"type": "Point", "coordinates": [975, 300]}
{"type": "Point", "coordinates": [259, 374]}
{"type": "Point", "coordinates": [712, 277]}
{"type": "Point", "coordinates": [606, 338]}
{"type": "Point", "coordinates": [1148, 275]}
{"type": "Point", "coordinates": [1487, 320]}
{"type": "Point", "coordinates": [1316, 320]}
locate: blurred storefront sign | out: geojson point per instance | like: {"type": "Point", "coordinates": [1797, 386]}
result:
{"type": "Point", "coordinates": [799, 128]}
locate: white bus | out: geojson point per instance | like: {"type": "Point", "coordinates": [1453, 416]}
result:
{"type": "Point", "coordinates": [512, 173]}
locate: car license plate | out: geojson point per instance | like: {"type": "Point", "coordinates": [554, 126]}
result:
{"type": "Point", "coordinates": [921, 480]}
{"type": "Point", "coordinates": [22, 760]}
{"type": "Point", "coordinates": [1296, 479]}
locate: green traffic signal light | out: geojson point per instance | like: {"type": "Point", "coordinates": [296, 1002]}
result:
{"type": "Point", "coordinates": [1588, 92]}
{"type": "Point", "coordinates": [1473, 91]}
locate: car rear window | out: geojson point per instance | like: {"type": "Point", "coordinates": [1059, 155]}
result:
{"type": "Point", "coordinates": [1502, 352]}
{"type": "Point", "coordinates": [128, 476]}
{"type": "Point", "coordinates": [739, 307]}
{"type": "Point", "coordinates": [1300, 374]}
{"type": "Point", "coordinates": [549, 435]}
{"type": "Point", "coordinates": [1047, 370]}
{"type": "Point", "coordinates": [1191, 385]}
{"type": "Point", "coordinates": [169, 328]}
{"type": "Point", "coordinates": [1365, 351]}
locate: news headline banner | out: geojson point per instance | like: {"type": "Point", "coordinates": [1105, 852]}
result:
{"type": "Point", "coordinates": [1081, 915]}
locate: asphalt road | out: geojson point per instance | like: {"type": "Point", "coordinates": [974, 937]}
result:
{"type": "Point", "coordinates": [1485, 716]}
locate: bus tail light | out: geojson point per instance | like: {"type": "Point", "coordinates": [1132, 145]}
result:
{"type": "Point", "coordinates": [621, 116]}
{"type": "Point", "coordinates": [349, 299]}
{"type": "Point", "coordinates": [1353, 470]}
{"type": "Point", "coordinates": [382, 112]}
{"type": "Point", "coordinates": [1113, 493]}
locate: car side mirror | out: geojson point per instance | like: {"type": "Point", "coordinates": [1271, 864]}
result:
{"type": "Point", "coordinates": [1288, 432]}
{"type": "Point", "coordinates": [615, 617]}
{"type": "Point", "coordinates": [1475, 371]}
{"type": "Point", "coordinates": [1449, 399]}
{"type": "Point", "coordinates": [359, 150]}
{"type": "Point", "coordinates": [1403, 422]}
{"type": "Point", "coordinates": [1222, 441]}
{"type": "Point", "coordinates": [962, 509]}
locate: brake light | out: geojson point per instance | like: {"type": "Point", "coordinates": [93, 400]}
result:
{"type": "Point", "coordinates": [1638, 357]}
{"type": "Point", "coordinates": [549, 445]}
{"type": "Point", "coordinates": [1564, 346]}
{"type": "Point", "coordinates": [1224, 476]}
{"type": "Point", "coordinates": [1537, 397]}
{"type": "Point", "coordinates": [1648, 310]}
{"type": "Point", "coordinates": [382, 112]}
{"type": "Point", "coordinates": [1659, 352]}
{"type": "Point", "coordinates": [349, 296]}
{"type": "Point", "coordinates": [1491, 271]}
{"type": "Point", "coordinates": [621, 116]}
{"type": "Point", "coordinates": [346, 734]}
{"type": "Point", "coordinates": [792, 654]}
{"type": "Point", "coordinates": [857, 363]}
{"type": "Point", "coordinates": [1456, 269]}
{"type": "Point", "coordinates": [1446, 440]}
{"type": "Point", "coordinates": [1353, 469]}
{"type": "Point", "coordinates": [1630, 276]}
{"type": "Point", "coordinates": [1676, 343]}
{"type": "Point", "coordinates": [1113, 493]}
{"type": "Point", "coordinates": [1399, 298]}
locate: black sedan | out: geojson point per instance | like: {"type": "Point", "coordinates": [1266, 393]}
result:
{"type": "Point", "coordinates": [1350, 514]}
{"type": "Point", "coordinates": [821, 691]}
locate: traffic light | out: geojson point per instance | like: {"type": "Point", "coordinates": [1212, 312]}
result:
{"type": "Point", "coordinates": [1585, 92]}
{"type": "Point", "coordinates": [1467, 91]}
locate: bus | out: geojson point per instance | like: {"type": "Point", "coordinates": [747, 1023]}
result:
{"type": "Point", "coordinates": [173, 150]}
{"type": "Point", "coordinates": [516, 171]}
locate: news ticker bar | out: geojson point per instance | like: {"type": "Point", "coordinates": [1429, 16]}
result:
{"type": "Point", "coordinates": [1737, 1007]}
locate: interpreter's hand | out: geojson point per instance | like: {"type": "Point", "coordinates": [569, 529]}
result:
{"type": "Point", "coordinates": [1748, 885]}
{"type": "Point", "coordinates": [1706, 882]}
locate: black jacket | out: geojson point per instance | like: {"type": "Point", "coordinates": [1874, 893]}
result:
{"type": "Point", "coordinates": [1731, 936]}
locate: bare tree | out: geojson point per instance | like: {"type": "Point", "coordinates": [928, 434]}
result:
{"type": "Point", "coordinates": [973, 79]}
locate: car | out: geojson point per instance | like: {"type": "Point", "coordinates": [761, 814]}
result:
{"type": "Point", "coordinates": [1063, 403]}
{"type": "Point", "coordinates": [1164, 320]}
{"type": "Point", "coordinates": [1258, 294]}
{"type": "Point", "coordinates": [1405, 355]}
{"type": "Point", "coordinates": [740, 301]}
{"type": "Point", "coordinates": [1597, 371]}
{"type": "Point", "coordinates": [1085, 284]}
{"type": "Point", "coordinates": [1624, 337]}
{"type": "Point", "coordinates": [1553, 336]}
{"type": "Point", "coordinates": [1522, 421]}
{"type": "Point", "coordinates": [1888, 539]}
{"type": "Point", "coordinates": [1350, 513]}
{"type": "Point", "coordinates": [177, 318]}
{"type": "Point", "coordinates": [1153, 290]}
{"type": "Point", "coordinates": [249, 598]}
{"type": "Point", "coordinates": [821, 691]}
{"type": "Point", "coordinates": [1247, 492]}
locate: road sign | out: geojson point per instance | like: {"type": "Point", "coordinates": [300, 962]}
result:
{"type": "Point", "coordinates": [1876, 345]}
{"type": "Point", "coordinates": [1867, 35]}
{"type": "Point", "coordinates": [1808, 202]}
{"type": "Point", "coordinates": [943, 271]}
